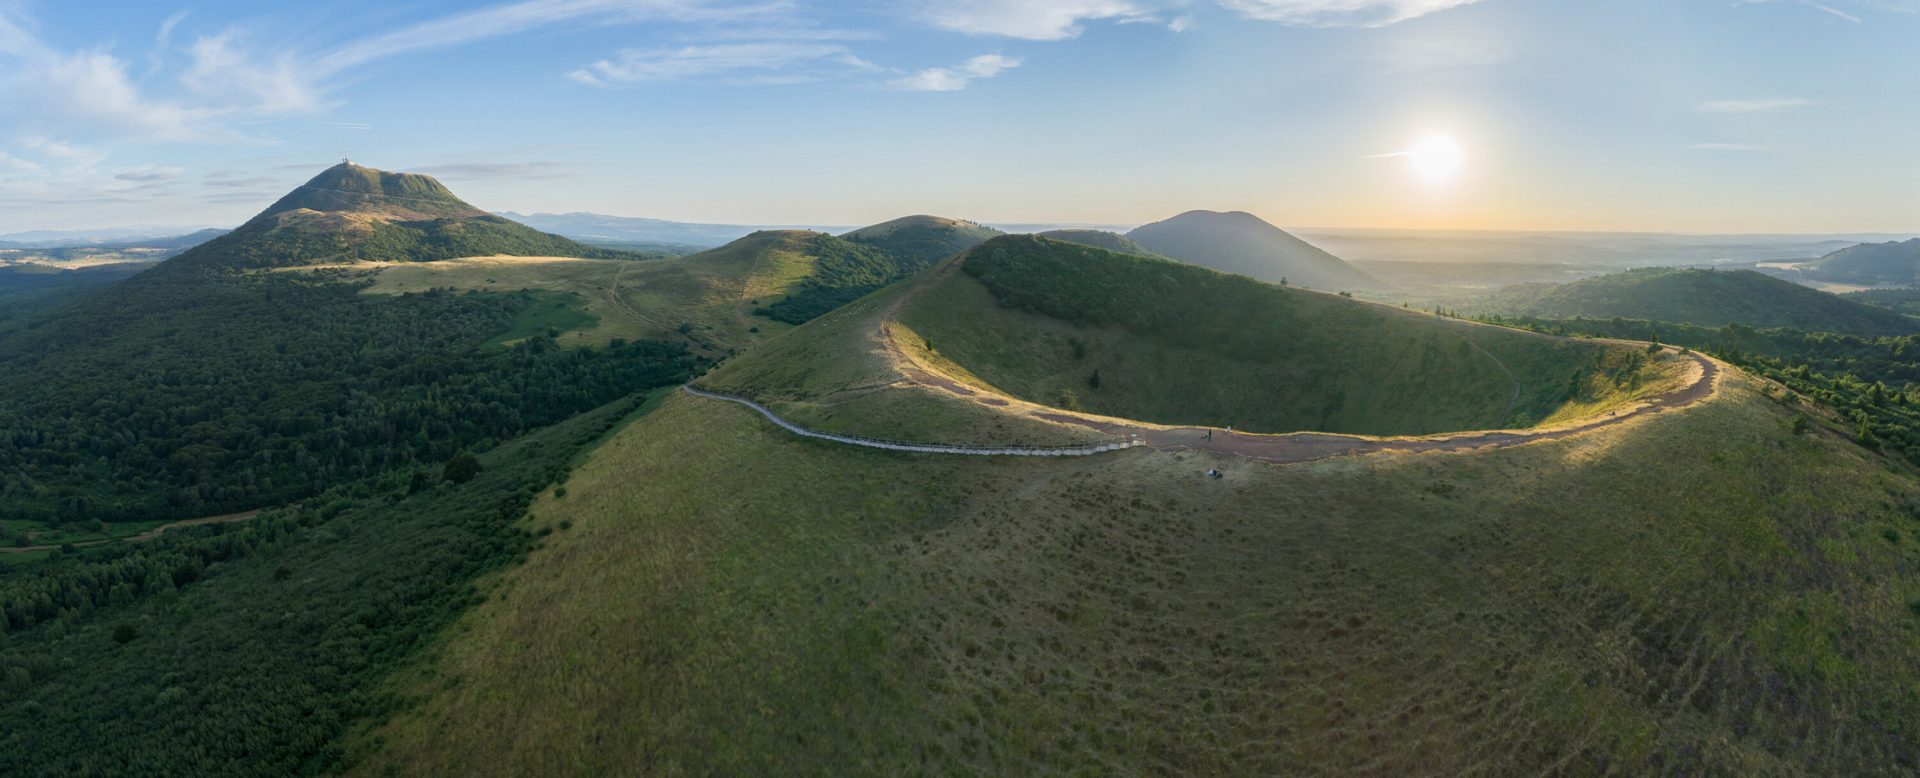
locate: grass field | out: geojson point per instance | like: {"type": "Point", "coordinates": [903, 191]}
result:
{"type": "Point", "coordinates": [1165, 342]}
{"type": "Point", "coordinates": [1694, 592]}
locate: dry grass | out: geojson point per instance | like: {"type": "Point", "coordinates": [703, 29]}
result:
{"type": "Point", "coordinates": [1695, 592]}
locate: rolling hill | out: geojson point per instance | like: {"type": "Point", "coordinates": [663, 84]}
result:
{"type": "Point", "coordinates": [1891, 263]}
{"type": "Point", "coordinates": [1100, 239]}
{"type": "Point", "coordinates": [1710, 298]}
{"type": "Point", "coordinates": [919, 241]}
{"type": "Point", "coordinates": [350, 213]}
{"type": "Point", "coordinates": [718, 301]}
{"type": "Point", "coordinates": [1239, 242]}
{"type": "Point", "coordinates": [862, 611]}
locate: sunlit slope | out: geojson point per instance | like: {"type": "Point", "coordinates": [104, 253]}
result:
{"type": "Point", "coordinates": [1695, 592]}
{"type": "Point", "coordinates": [1166, 342]}
{"type": "Point", "coordinates": [710, 298]}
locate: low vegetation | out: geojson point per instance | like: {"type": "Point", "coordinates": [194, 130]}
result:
{"type": "Point", "coordinates": [1397, 614]}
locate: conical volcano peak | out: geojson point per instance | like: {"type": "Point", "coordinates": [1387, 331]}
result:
{"type": "Point", "coordinates": [348, 188]}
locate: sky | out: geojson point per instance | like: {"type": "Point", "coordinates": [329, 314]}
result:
{"type": "Point", "coordinates": [1694, 116]}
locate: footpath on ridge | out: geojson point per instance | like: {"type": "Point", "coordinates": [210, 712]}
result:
{"type": "Point", "coordinates": [1281, 448]}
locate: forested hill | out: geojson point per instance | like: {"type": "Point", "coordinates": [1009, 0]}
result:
{"type": "Point", "coordinates": [919, 241]}
{"type": "Point", "coordinates": [1709, 298]}
{"type": "Point", "coordinates": [350, 213]}
{"type": "Point", "coordinates": [191, 389]}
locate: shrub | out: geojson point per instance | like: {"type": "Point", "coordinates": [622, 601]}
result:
{"type": "Point", "coordinates": [461, 468]}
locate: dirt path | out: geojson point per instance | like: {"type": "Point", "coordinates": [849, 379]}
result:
{"type": "Point", "coordinates": [142, 537]}
{"type": "Point", "coordinates": [1287, 447]}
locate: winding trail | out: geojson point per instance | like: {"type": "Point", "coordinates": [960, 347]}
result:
{"type": "Point", "coordinates": [1282, 448]}
{"type": "Point", "coordinates": [917, 448]}
{"type": "Point", "coordinates": [142, 537]}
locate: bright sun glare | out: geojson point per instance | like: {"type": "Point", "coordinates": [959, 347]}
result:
{"type": "Point", "coordinates": [1436, 160]}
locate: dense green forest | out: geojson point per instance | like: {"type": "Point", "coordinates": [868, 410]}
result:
{"type": "Point", "coordinates": [246, 649]}
{"type": "Point", "coordinates": [25, 289]}
{"type": "Point", "coordinates": [842, 272]}
{"type": "Point", "coordinates": [176, 395]}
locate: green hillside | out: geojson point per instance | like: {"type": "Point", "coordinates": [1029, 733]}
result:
{"type": "Point", "coordinates": [863, 612]}
{"type": "Point", "coordinates": [919, 241]}
{"type": "Point", "coordinates": [1174, 343]}
{"type": "Point", "coordinates": [1100, 239]}
{"type": "Point", "coordinates": [1239, 242]}
{"type": "Point", "coordinates": [350, 213]}
{"type": "Point", "coordinates": [1710, 298]}
{"type": "Point", "coordinates": [718, 301]}
{"type": "Point", "coordinates": [1894, 263]}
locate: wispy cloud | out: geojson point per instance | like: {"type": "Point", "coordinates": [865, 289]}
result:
{"type": "Point", "coordinates": [753, 62]}
{"type": "Point", "coordinates": [496, 21]}
{"type": "Point", "coordinates": [1728, 147]}
{"type": "Point", "coordinates": [1340, 13]}
{"type": "Point", "coordinates": [956, 78]}
{"type": "Point", "coordinates": [150, 174]}
{"type": "Point", "coordinates": [1752, 105]}
{"type": "Point", "coordinates": [230, 78]}
{"type": "Point", "coordinates": [1040, 20]}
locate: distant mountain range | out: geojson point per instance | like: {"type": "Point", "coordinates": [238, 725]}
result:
{"type": "Point", "coordinates": [152, 236]}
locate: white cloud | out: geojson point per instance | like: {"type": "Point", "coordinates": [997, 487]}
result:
{"type": "Point", "coordinates": [229, 79]}
{"type": "Point", "coordinates": [81, 89]}
{"type": "Point", "coordinates": [1752, 105]}
{"type": "Point", "coordinates": [518, 17]}
{"type": "Point", "coordinates": [1727, 147]}
{"type": "Point", "coordinates": [1340, 13]}
{"type": "Point", "coordinates": [1040, 20]}
{"type": "Point", "coordinates": [956, 78]}
{"type": "Point", "coordinates": [785, 61]}
{"type": "Point", "coordinates": [16, 164]}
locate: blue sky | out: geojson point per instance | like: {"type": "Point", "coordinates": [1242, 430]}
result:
{"type": "Point", "coordinates": [1654, 115]}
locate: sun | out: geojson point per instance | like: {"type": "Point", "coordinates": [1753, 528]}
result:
{"type": "Point", "coordinates": [1436, 160]}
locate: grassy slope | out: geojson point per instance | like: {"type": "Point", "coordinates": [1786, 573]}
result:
{"type": "Point", "coordinates": [1255, 356]}
{"type": "Point", "coordinates": [919, 241]}
{"type": "Point", "coordinates": [1696, 592]}
{"type": "Point", "coordinates": [833, 374]}
{"type": "Point", "coordinates": [1704, 297]}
